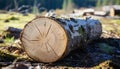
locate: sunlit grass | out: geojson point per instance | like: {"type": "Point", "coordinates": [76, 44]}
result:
{"type": "Point", "coordinates": [9, 40]}
{"type": "Point", "coordinates": [110, 24]}
{"type": "Point", "coordinates": [13, 19]}
{"type": "Point", "coordinates": [22, 20]}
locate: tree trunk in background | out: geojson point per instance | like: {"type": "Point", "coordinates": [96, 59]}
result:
{"type": "Point", "coordinates": [98, 4]}
{"type": "Point", "coordinates": [16, 5]}
{"type": "Point", "coordinates": [48, 39]}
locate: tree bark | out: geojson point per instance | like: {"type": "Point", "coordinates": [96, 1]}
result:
{"type": "Point", "coordinates": [47, 39]}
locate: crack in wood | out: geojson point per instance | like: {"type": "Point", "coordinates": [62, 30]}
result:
{"type": "Point", "coordinates": [38, 29]}
{"type": "Point", "coordinates": [28, 39]}
{"type": "Point", "coordinates": [47, 47]}
{"type": "Point", "coordinates": [48, 30]}
{"type": "Point", "coordinates": [30, 42]}
{"type": "Point", "coordinates": [47, 44]}
{"type": "Point", "coordinates": [45, 28]}
{"type": "Point", "coordinates": [52, 49]}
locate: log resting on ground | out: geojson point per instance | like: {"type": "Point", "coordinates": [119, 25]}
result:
{"type": "Point", "coordinates": [47, 39]}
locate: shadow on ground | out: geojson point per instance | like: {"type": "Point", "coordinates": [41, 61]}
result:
{"type": "Point", "coordinates": [102, 51]}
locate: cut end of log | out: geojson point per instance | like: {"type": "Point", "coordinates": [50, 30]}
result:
{"type": "Point", "coordinates": [44, 39]}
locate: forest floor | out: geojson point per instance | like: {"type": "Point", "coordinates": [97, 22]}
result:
{"type": "Point", "coordinates": [103, 53]}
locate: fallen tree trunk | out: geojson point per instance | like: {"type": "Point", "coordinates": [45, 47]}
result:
{"type": "Point", "coordinates": [48, 39]}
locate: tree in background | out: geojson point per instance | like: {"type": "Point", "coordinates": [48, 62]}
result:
{"type": "Point", "coordinates": [16, 5]}
{"type": "Point", "coordinates": [35, 8]}
{"type": "Point", "coordinates": [64, 7]}
{"type": "Point", "coordinates": [117, 2]}
{"type": "Point", "coordinates": [105, 2]}
{"type": "Point", "coordinates": [56, 4]}
{"type": "Point", "coordinates": [111, 2]}
{"type": "Point", "coordinates": [98, 3]}
{"type": "Point", "coordinates": [68, 5]}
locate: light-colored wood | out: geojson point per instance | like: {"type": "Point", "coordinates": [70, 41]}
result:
{"type": "Point", "coordinates": [112, 12]}
{"type": "Point", "coordinates": [47, 39]}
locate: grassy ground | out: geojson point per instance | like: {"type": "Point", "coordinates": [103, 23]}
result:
{"type": "Point", "coordinates": [101, 55]}
{"type": "Point", "coordinates": [111, 24]}
{"type": "Point", "coordinates": [14, 19]}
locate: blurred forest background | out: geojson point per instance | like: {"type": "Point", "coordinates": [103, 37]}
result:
{"type": "Point", "coordinates": [54, 4]}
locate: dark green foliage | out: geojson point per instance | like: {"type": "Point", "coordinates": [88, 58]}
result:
{"type": "Point", "coordinates": [14, 18]}
{"type": "Point", "coordinates": [117, 2]}
{"type": "Point", "coordinates": [107, 2]}
{"type": "Point", "coordinates": [55, 4]}
{"type": "Point", "coordinates": [98, 3]}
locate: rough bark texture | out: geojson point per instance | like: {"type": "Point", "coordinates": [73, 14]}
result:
{"type": "Point", "coordinates": [47, 39]}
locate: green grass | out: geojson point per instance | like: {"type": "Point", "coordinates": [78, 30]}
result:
{"type": "Point", "coordinates": [18, 21]}
{"type": "Point", "coordinates": [9, 40]}
{"type": "Point", "coordinates": [110, 25]}
{"type": "Point", "coordinates": [118, 21]}
{"type": "Point", "coordinates": [14, 20]}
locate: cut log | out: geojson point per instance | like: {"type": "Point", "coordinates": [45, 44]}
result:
{"type": "Point", "coordinates": [47, 39]}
